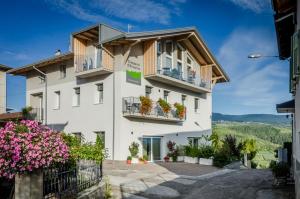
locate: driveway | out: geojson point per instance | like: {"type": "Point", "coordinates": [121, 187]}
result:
{"type": "Point", "coordinates": [190, 181]}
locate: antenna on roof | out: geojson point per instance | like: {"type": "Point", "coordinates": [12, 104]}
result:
{"type": "Point", "coordinates": [129, 27]}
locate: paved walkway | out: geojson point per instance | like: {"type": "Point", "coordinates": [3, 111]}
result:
{"type": "Point", "coordinates": [190, 181]}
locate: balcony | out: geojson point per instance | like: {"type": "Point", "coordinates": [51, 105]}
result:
{"type": "Point", "coordinates": [88, 66]}
{"type": "Point", "coordinates": [176, 78]}
{"type": "Point", "coordinates": [36, 114]}
{"type": "Point", "coordinates": [132, 109]}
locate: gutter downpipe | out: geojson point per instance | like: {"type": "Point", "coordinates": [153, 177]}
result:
{"type": "Point", "coordinates": [45, 78]}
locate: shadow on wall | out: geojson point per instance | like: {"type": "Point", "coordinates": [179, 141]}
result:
{"type": "Point", "coordinates": [58, 127]}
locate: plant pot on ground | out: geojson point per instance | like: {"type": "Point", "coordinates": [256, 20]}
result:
{"type": "Point", "coordinates": [166, 158]}
{"type": "Point", "coordinates": [146, 159]}
{"type": "Point", "coordinates": [129, 159]}
{"type": "Point", "coordinates": [134, 150]}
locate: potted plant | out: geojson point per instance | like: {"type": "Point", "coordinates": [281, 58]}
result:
{"type": "Point", "coordinates": [134, 150]}
{"type": "Point", "coordinates": [129, 158]}
{"type": "Point", "coordinates": [180, 110]}
{"type": "Point", "coordinates": [191, 154]}
{"type": "Point", "coordinates": [173, 153]}
{"type": "Point", "coordinates": [146, 105]}
{"type": "Point", "coordinates": [164, 105]}
{"type": "Point", "coordinates": [145, 157]}
{"type": "Point", "coordinates": [141, 160]}
{"type": "Point", "coordinates": [206, 153]}
{"type": "Point", "coordinates": [281, 171]}
{"type": "Point", "coordinates": [166, 158]}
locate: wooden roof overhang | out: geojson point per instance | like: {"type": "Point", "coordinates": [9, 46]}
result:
{"type": "Point", "coordinates": [42, 63]}
{"type": "Point", "coordinates": [11, 116]}
{"type": "Point", "coordinates": [190, 39]}
{"type": "Point", "coordinates": [285, 20]}
{"type": "Point", "coordinates": [89, 34]}
{"type": "Point", "coordinates": [4, 67]}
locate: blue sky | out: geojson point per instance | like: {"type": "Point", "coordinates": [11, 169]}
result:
{"type": "Point", "coordinates": [34, 29]}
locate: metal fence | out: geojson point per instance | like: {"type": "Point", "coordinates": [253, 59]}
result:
{"type": "Point", "coordinates": [132, 106]}
{"type": "Point", "coordinates": [65, 181]}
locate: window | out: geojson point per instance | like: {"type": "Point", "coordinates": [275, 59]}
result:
{"type": "Point", "coordinates": [159, 57]}
{"type": "Point", "coordinates": [78, 135]}
{"type": "Point", "coordinates": [166, 94]}
{"type": "Point", "coordinates": [194, 141]}
{"type": "Point", "coordinates": [76, 97]}
{"type": "Point", "coordinates": [196, 104]}
{"type": "Point", "coordinates": [56, 100]}
{"type": "Point", "coordinates": [183, 98]}
{"type": "Point", "coordinates": [42, 79]}
{"type": "Point", "coordinates": [99, 94]}
{"type": "Point", "coordinates": [63, 71]}
{"type": "Point", "coordinates": [169, 54]}
{"type": "Point", "coordinates": [148, 91]}
{"type": "Point", "coordinates": [101, 134]}
{"type": "Point", "coordinates": [179, 59]}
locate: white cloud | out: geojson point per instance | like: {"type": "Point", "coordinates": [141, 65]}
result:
{"type": "Point", "coordinates": [256, 85]}
{"type": "Point", "coordinates": [8, 55]}
{"type": "Point", "coordinates": [134, 10]}
{"type": "Point", "coordinates": [257, 6]}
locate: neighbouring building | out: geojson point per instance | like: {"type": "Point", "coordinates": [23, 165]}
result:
{"type": "Point", "coordinates": [287, 18]}
{"type": "Point", "coordinates": [3, 70]}
{"type": "Point", "coordinates": [95, 88]}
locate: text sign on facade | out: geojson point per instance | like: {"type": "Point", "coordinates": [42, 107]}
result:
{"type": "Point", "coordinates": [133, 73]}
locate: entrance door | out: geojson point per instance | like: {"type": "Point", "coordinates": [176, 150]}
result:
{"type": "Point", "coordinates": [156, 148]}
{"type": "Point", "coordinates": [151, 148]}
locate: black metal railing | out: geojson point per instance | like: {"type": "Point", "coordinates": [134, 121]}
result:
{"type": "Point", "coordinates": [132, 106]}
{"type": "Point", "coordinates": [66, 181]}
{"type": "Point", "coordinates": [37, 114]}
{"type": "Point", "coordinates": [189, 77]}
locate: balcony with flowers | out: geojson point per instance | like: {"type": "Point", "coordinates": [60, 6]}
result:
{"type": "Point", "coordinates": [144, 108]}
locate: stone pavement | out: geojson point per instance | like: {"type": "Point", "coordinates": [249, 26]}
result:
{"type": "Point", "coordinates": [190, 181]}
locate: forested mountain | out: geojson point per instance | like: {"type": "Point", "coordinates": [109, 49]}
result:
{"type": "Point", "coordinates": [261, 118]}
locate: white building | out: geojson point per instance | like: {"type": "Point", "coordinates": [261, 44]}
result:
{"type": "Point", "coordinates": [95, 88]}
{"type": "Point", "coordinates": [287, 17]}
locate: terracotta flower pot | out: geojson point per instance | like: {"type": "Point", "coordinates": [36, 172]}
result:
{"type": "Point", "coordinates": [128, 161]}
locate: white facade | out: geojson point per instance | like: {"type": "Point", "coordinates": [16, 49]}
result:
{"type": "Point", "coordinates": [74, 103]}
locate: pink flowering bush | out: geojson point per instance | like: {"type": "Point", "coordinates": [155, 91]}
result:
{"type": "Point", "coordinates": [27, 146]}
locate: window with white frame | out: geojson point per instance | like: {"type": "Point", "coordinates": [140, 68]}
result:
{"type": "Point", "coordinates": [159, 56]}
{"type": "Point", "coordinates": [189, 65]}
{"type": "Point", "coordinates": [63, 71]}
{"type": "Point", "coordinates": [194, 141]}
{"type": "Point", "coordinates": [79, 136]}
{"type": "Point", "coordinates": [169, 54]}
{"type": "Point", "coordinates": [148, 90]}
{"type": "Point", "coordinates": [56, 100]}
{"type": "Point", "coordinates": [99, 94]}
{"type": "Point", "coordinates": [166, 95]}
{"type": "Point", "coordinates": [196, 104]}
{"type": "Point", "coordinates": [76, 97]}
{"type": "Point", "coordinates": [101, 134]}
{"type": "Point", "coordinates": [179, 59]}
{"type": "Point", "coordinates": [183, 98]}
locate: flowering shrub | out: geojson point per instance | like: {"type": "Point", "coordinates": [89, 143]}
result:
{"type": "Point", "coordinates": [27, 146]}
{"type": "Point", "coordinates": [79, 150]}
{"type": "Point", "coordinates": [173, 152]}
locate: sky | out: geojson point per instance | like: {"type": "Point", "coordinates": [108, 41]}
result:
{"type": "Point", "coordinates": [34, 29]}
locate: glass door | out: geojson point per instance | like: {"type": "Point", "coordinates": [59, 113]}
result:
{"type": "Point", "coordinates": [147, 148]}
{"type": "Point", "coordinates": [156, 148]}
{"type": "Point", "coordinates": [151, 148]}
